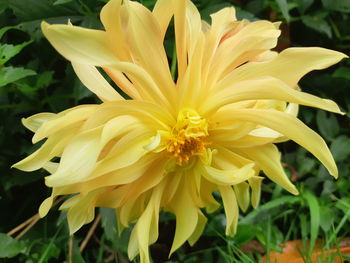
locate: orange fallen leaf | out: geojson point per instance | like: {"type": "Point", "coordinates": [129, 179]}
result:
{"type": "Point", "coordinates": [291, 253]}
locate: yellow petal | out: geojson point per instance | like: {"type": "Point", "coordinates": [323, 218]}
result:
{"type": "Point", "coordinates": [51, 167]}
{"type": "Point", "coordinates": [242, 195]}
{"type": "Point", "coordinates": [231, 209]}
{"type": "Point", "coordinates": [191, 88]}
{"type": "Point", "coordinates": [123, 83]}
{"type": "Point", "coordinates": [34, 122]}
{"type": "Point", "coordinates": [155, 116]}
{"type": "Point", "coordinates": [202, 220]}
{"type": "Point", "coordinates": [82, 212]}
{"type": "Point", "coordinates": [163, 11]}
{"type": "Point", "coordinates": [113, 18]}
{"type": "Point", "coordinates": [223, 16]}
{"type": "Point", "coordinates": [94, 81]}
{"type": "Point", "coordinates": [228, 177]}
{"type": "Point", "coordinates": [187, 28]}
{"type": "Point", "coordinates": [206, 196]}
{"type": "Point", "coordinates": [84, 46]}
{"type": "Point", "coordinates": [146, 44]}
{"type": "Point", "coordinates": [294, 129]}
{"type": "Point", "coordinates": [246, 44]}
{"type": "Point", "coordinates": [127, 175]}
{"type": "Point", "coordinates": [118, 126]}
{"type": "Point", "coordinates": [186, 213]}
{"type": "Point", "coordinates": [87, 46]}
{"type": "Point", "coordinates": [53, 147]}
{"type": "Point", "coordinates": [45, 206]}
{"type": "Point", "coordinates": [72, 117]}
{"type": "Point", "coordinates": [289, 66]}
{"type": "Point", "coordinates": [255, 185]}
{"type": "Point", "coordinates": [268, 158]}
{"type": "Point", "coordinates": [78, 159]}
{"type": "Point", "coordinates": [265, 88]}
{"type": "Point", "coordinates": [127, 151]}
{"type": "Point", "coordinates": [146, 228]}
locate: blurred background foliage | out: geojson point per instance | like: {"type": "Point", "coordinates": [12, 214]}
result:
{"type": "Point", "coordinates": [35, 78]}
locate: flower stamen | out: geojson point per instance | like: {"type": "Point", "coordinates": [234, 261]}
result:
{"type": "Point", "coordinates": [189, 136]}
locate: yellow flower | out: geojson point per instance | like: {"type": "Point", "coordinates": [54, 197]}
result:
{"type": "Point", "coordinates": [175, 143]}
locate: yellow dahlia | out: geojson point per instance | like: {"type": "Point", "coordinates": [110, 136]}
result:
{"type": "Point", "coordinates": [176, 142]}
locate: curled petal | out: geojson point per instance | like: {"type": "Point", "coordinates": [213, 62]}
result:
{"type": "Point", "coordinates": [228, 177]}
{"type": "Point", "coordinates": [231, 209]}
{"type": "Point", "coordinates": [268, 158]}
{"type": "Point", "coordinates": [265, 88]}
{"type": "Point", "coordinates": [297, 61]}
{"type": "Point", "coordinates": [294, 129]}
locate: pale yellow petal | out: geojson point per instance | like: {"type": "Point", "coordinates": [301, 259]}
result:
{"type": "Point", "coordinates": [34, 122]}
{"type": "Point", "coordinates": [242, 195]}
{"type": "Point", "coordinates": [292, 128]}
{"type": "Point", "coordinates": [188, 26]}
{"type": "Point", "coordinates": [51, 167]}
{"type": "Point", "coordinates": [202, 220]}
{"type": "Point", "coordinates": [163, 11]}
{"type": "Point", "coordinates": [265, 88]}
{"type": "Point", "coordinates": [87, 46]}
{"type": "Point", "coordinates": [231, 209]}
{"type": "Point", "coordinates": [246, 44]}
{"type": "Point", "coordinates": [81, 211]}
{"type": "Point", "coordinates": [223, 16]}
{"type": "Point", "coordinates": [151, 114]}
{"type": "Point", "coordinates": [268, 158]}
{"type": "Point", "coordinates": [146, 44]}
{"type": "Point", "coordinates": [95, 82]}
{"type": "Point", "coordinates": [84, 46]}
{"type": "Point", "coordinates": [191, 89]}
{"type": "Point", "coordinates": [128, 150]}
{"type": "Point", "coordinates": [72, 117]}
{"type": "Point", "coordinates": [186, 213]}
{"type": "Point", "coordinates": [53, 147]}
{"type": "Point", "coordinates": [78, 159]}
{"type": "Point", "coordinates": [255, 185]}
{"type": "Point", "coordinates": [113, 18]}
{"type": "Point", "coordinates": [289, 66]}
{"type": "Point", "coordinates": [228, 177]}
{"type": "Point", "coordinates": [146, 228]}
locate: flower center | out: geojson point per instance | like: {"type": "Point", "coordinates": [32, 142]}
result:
{"type": "Point", "coordinates": [188, 136]}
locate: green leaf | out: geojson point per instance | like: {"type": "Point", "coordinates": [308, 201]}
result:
{"type": "Point", "coordinates": [342, 72]}
{"type": "Point", "coordinates": [3, 30]}
{"type": "Point", "coordinates": [283, 5]}
{"type": "Point", "coordinates": [314, 218]}
{"type": "Point", "coordinates": [337, 5]}
{"type": "Point", "coordinates": [61, 2]}
{"type": "Point", "coordinates": [263, 209]}
{"type": "Point", "coordinates": [245, 233]}
{"type": "Point", "coordinates": [243, 14]}
{"type": "Point", "coordinates": [327, 125]}
{"type": "Point", "coordinates": [39, 9]}
{"type": "Point", "coordinates": [305, 164]}
{"type": "Point", "coordinates": [76, 255]}
{"type": "Point", "coordinates": [327, 215]}
{"type": "Point", "coordinates": [9, 51]}
{"type": "Point", "coordinates": [10, 247]}
{"type": "Point", "coordinates": [303, 5]}
{"type": "Point", "coordinates": [3, 5]}
{"type": "Point", "coordinates": [109, 223]}
{"type": "Point", "coordinates": [11, 74]}
{"type": "Point", "coordinates": [340, 148]}
{"type": "Point", "coordinates": [317, 23]}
